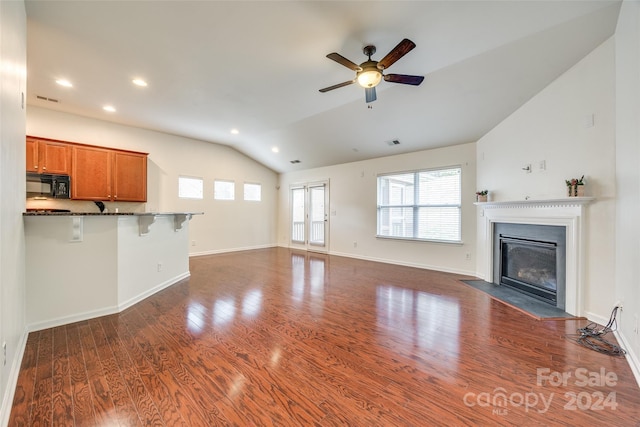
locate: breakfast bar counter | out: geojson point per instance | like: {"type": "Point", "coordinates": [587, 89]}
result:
{"type": "Point", "coordinates": [84, 265]}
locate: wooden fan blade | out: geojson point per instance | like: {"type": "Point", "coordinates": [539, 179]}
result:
{"type": "Point", "coordinates": [370, 94]}
{"type": "Point", "coordinates": [404, 79]}
{"type": "Point", "coordinates": [347, 83]}
{"type": "Point", "coordinates": [396, 53]}
{"type": "Point", "coordinates": [344, 61]}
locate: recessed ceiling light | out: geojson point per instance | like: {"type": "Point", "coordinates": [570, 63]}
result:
{"type": "Point", "coordinates": [139, 82]}
{"type": "Point", "coordinates": [109, 108]}
{"type": "Point", "coordinates": [235, 131]}
{"type": "Point", "coordinates": [275, 149]}
{"type": "Point", "coordinates": [65, 83]}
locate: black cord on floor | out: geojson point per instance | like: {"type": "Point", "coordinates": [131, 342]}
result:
{"type": "Point", "coordinates": [592, 337]}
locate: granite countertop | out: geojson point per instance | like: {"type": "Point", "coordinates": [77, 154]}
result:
{"type": "Point", "coordinates": [48, 213]}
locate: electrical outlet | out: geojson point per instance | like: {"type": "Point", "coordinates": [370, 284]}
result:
{"type": "Point", "coordinates": [4, 353]}
{"type": "Point", "coordinates": [468, 255]}
{"type": "Point", "coordinates": [355, 244]}
{"type": "Point", "coordinates": [159, 267]}
{"type": "Point", "coordinates": [618, 304]}
{"type": "Point", "coordinates": [635, 323]}
{"type": "Point", "coordinates": [193, 243]}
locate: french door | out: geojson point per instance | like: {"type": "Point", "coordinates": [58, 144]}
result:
{"type": "Point", "coordinates": [310, 216]}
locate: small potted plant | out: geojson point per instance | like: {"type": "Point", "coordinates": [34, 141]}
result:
{"type": "Point", "coordinates": [481, 195]}
{"type": "Point", "coordinates": [575, 187]}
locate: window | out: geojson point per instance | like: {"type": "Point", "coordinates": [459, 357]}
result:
{"type": "Point", "coordinates": [190, 188]}
{"type": "Point", "coordinates": [224, 190]}
{"type": "Point", "coordinates": [252, 192]}
{"type": "Point", "coordinates": [422, 205]}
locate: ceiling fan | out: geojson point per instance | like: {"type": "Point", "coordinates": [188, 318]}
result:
{"type": "Point", "coordinates": [369, 73]}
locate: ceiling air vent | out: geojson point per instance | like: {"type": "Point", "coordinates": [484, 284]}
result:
{"type": "Point", "coordinates": [295, 161]}
{"type": "Point", "coordinates": [44, 98]}
{"type": "Point", "coordinates": [393, 142]}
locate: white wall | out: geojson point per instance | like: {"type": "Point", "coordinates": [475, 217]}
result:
{"type": "Point", "coordinates": [552, 127]}
{"type": "Point", "coordinates": [112, 266]}
{"type": "Point", "coordinates": [13, 77]}
{"type": "Point", "coordinates": [352, 201]}
{"type": "Point", "coordinates": [152, 261]}
{"type": "Point", "coordinates": [66, 281]}
{"type": "Point", "coordinates": [627, 234]}
{"type": "Point", "coordinates": [225, 225]}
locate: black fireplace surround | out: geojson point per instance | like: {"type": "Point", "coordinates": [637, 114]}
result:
{"type": "Point", "coordinates": [531, 259]}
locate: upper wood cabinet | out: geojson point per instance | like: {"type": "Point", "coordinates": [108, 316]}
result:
{"type": "Point", "coordinates": [108, 175]}
{"type": "Point", "coordinates": [91, 173]}
{"type": "Point", "coordinates": [48, 156]}
{"type": "Point", "coordinates": [129, 177]}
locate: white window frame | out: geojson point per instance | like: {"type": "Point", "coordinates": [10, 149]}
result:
{"type": "Point", "coordinates": [259, 191]}
{"type": "Point", "coordinates": [217, 195]}
{"type": "Point", "coordinates": [198, 194]}
{"type": "Point", "coordinates": [414, 206]}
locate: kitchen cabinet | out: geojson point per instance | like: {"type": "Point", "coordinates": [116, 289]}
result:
{"type": "Point", "coordinates": [48, 156]}
{"type": "Point", "coordinates": [108, 175]}
{"type": "Point", "coordinates": [129, 177]}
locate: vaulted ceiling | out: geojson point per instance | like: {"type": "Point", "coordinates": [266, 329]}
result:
{"type": "Point", "coordinates": [257, 66]}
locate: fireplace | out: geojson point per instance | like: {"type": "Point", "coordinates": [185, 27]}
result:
{"type": "Point", "coordinates": [568, 214]}
{"type": "Point", "coordinates": [531, 259]}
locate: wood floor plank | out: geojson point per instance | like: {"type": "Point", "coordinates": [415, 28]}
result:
{"type": "Point", "coordinates": [167, 355]}
{"type": "Point", "coordinates": [159, 390]}
{"type": "Point", "coordinates": [41, 414]}
{"type": "Point", "coordinates": [83, 404]}
{"type": "Point", "coordinates": [288, 338]}
{"type": "Point", "coordinates": [23, 396]}
{"type": "Point", "coordinates": [104, 409]}
{"type": "Point", "coordinates": [122, 400]}
{"type": "Point", "coordinates": [61, 381]}
{"type": "Point", "coordinates": [145, 406]}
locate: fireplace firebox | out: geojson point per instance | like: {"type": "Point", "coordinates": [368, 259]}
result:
{"type": "Point", "coordinates": [531, 259]}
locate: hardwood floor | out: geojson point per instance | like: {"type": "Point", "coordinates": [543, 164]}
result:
{"type": "Point", "coordinates": [279, 337]}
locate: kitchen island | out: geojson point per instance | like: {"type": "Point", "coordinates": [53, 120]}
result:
{"type": "Point", "coordinates": [85, 265]}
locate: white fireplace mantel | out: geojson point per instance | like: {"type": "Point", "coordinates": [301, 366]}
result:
{"type": "Point", "coordinates": [568, 212]}
{"type": "Point", "coordinates": [569, 201]}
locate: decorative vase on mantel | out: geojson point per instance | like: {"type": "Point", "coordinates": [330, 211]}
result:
{"type": "Point", "coordinates": [575, 187]}
{"type": "Point", "coordinates": [575, 190]}
{"type": "Point", "coordinates": [482, 196]}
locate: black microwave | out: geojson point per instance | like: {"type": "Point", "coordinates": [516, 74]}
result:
{"type": "Point", "coordinates": [48, 185]}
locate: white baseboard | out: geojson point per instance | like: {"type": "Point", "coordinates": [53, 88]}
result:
{"type": "Point", "coordinates": [600, 320]}
{"type": "Point", "coordinates": [105, 311]}
{"type": "Point", "coordinates": [52, 323]}
{"type": "Point", "coordinates": [406, 264]}
{"type": "Point", "coordinates": [126, 304]}
{"type": "Point", "coordinates": [632, 357]}
{"type": "Point", "coordinates": [12, 381]}
{"type": "Point", "coordinates": [397, 262]}
{"type": "Point", "coordinates": [228, 250]}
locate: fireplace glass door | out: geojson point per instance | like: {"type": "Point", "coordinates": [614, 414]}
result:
{"type": "Point", "coordinates": [530, 266]}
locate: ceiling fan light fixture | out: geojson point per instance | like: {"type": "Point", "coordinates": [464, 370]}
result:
{"type": "Point", "coordinates": [369, 77]}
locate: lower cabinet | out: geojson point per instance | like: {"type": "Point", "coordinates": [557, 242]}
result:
{"type": "Point", "coordinates": [108, 175]}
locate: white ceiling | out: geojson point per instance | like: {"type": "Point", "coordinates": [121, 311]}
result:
{"type": "Point", "coordinates": [257, 66]}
